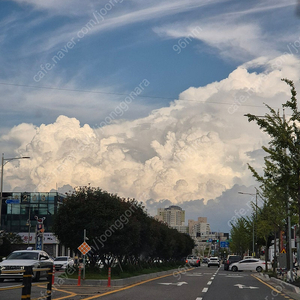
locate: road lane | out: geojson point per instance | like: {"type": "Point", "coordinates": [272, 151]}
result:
{"type": "Point", "coordinates": [200, 283]}
{"type": "Point", "coordinates": [242, 286]}
{"type": "Point", "coordinates": [188, 286]}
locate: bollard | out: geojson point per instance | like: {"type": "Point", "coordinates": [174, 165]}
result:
{"type": "Point", "coordinates": [109, 276]}
{"type": "Point", "coordinates": [53, 274]}
{"type": "Point", "coordinates": [50, 279]}
{"type": "Point", "coordinates": [27, 280]}
{"type": "Point", "coordinates": [79, 276]}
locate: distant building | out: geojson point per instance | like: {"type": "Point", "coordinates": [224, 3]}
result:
{"type": "Point", "coordinates": [174, 216]}
{"type": "Point", "coordinates": [199, 228]}
{"type": "Point", "coordinates": [205, 239]}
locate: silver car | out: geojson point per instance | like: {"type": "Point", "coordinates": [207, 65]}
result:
{"type": "Point", "coordinates": [17, 260]}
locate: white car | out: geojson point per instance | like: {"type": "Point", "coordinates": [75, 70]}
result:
{"type": "Point", "coordinates": [63, 262]}
{"type": "Point", "coordinates": [17, 260]}
{"type": "Point", "coordinates": [249, 264]}
{"type": "Point", "coordinates": [213, 261]}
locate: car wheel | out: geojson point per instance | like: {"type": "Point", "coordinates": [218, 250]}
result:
{"type": "Point", "coordinates": [208, 265]}
{"type": "Point", "coordinates": [259, 269]}
{"type": "Point", "coordinates": [234, 268]}
{"type": "Point", "coordinates": [36, 276]}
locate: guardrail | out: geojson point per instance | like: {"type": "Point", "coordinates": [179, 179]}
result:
{"type": "Point", "coordinates": [27, 282]}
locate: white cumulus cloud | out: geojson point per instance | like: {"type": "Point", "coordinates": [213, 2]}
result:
{"type": "Point", "coordinates": [196, 148]}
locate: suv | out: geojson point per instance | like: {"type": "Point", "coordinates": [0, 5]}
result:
{"type": "Point", "coordinates": [231, 259]}
{"type": "Point", "coordinates": [193, 260]}
{"type": "Point", "coordinates": [213, 261]}
{"type": "Point", "coordinates": [17, 260]}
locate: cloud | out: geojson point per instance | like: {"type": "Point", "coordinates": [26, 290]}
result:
{"type": "Point", "coordinates": [237, 33]}
{"type": "Point", "coordinates": [196, 148]}
{"type": "Point", "coordinates": [220, 212]}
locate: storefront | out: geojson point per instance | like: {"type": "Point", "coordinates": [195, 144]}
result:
{"type": "Point", "coordinates": [21, 212]}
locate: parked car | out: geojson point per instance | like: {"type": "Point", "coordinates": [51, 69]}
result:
{"type": "Point", "coordinates": [63, 262]}
{"type": "Point", "coordinates": [213, 261]}
{"type": "Point", "coordinates": [231, 259]}
{"type": "Point", "coordinates": [193, 260]}
{"type": "Point", "coordinates": [250, 264]}
{"type": "Point", "coordinates": [17, 260]}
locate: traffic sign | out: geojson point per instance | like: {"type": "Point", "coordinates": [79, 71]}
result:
{"type": "Point", "coordinates": [84, 248]}
{"type": "Point", "coordinates": [12, 201]}
{"type": "Point", "coordinates": [224, 244]}
{"type": "Point", "coordinates": [283, 251]}
{"type": "Point", "coordinates": [210, 240]}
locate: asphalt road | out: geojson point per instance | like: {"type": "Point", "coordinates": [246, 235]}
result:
{"type": "Point", "coordinates": [201, 283]}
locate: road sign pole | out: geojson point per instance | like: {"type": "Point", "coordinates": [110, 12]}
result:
{"type": "Point", "coordinates": [84, 238]}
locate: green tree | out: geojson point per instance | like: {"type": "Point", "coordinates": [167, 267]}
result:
{"type": "Point", "coordinates": [7, 239]}
{"type": "Point", "coordinates": [282, 163]}
{"type": "Point", "coordinates": [116, 228]}
{"type": "Point", "coordinates": [241, 236]}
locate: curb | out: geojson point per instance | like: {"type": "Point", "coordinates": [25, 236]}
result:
{"type": "Point", "coordinates": [281, 283]}
{"type": "Point", "coordinates": [286, 285]}
{"type": "Point", "coordinates": [117, 282]}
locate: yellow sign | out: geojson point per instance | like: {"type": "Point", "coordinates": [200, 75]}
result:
{"type": "Point", "coordinates": [283, 251]}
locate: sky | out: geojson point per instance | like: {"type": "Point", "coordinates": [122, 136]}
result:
{"type": "Point", "coordinates": [145, 99]}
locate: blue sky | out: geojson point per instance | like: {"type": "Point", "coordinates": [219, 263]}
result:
{"type": "Point", "coordinates": [194, 59]}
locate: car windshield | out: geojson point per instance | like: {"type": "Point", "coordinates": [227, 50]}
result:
{"type": "Point", "coordinates": [60, 259]}
{"type": "Point", "coordinates": [23, 255]}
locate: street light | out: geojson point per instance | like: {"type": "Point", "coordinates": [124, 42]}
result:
{"type": "Point", "coordinates": [29, 226]}
{"type": "Point", "coordinates": [253, 240]}
{"type": "Point", "coordinates": [4, 162]}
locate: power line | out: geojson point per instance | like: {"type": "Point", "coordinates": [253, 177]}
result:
{"type": "Point", "coordinates": [122, 94]}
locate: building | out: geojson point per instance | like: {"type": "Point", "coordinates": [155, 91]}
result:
{"type": "Point", "coordinates": [174, 216]}
{"type": "Point", "coordinates": [199, 228]}
{"type": "Point", "coordinates": [20, 212]}
{"type": "Point", "coordinates": [206, 241]}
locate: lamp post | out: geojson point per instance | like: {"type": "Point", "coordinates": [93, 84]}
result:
{"type": "Point", "coordinates": [253, 239]}
{"type": "Point", "coordinates": [4, 162]}
{"type": "Point", "coordinates": [29, 225]}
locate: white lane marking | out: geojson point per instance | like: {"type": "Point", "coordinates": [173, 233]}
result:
{"type": "Point", "coordinates": [171, 283]}
{"type": "Point", "coordinates": [212, 278]}
{"type": "Point", "coordinates": [199, 298]}
{"type": "Point", "coordinates": [204, 290]}
{"type": "Point", "coordinates": [241, 286]}
{"type": "Point", "coordinates": [209, 283]}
